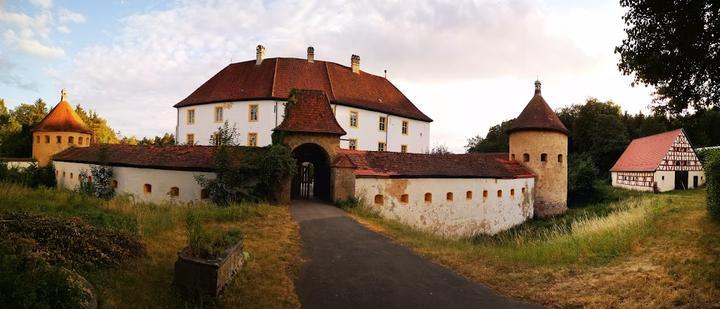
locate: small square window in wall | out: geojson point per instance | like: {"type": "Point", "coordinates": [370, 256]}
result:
{"type": "Point", "coordinates": [543, 157]}
{"type": "Point", "coordinates": [58, 139]}
{"type": "Point", "coordinates": [526, 157]}
{"type": "Point", "coordinates": [190, 139]}
{"type": "Point", "coordinates": [522, 190]}
{"type": "Point", "coordinates": [174, 192]}
{"type": "Point", "coordinates": [71, 140]}
{"type": "Point", "coordinates": [404, 199]}
{"type": "Point", "coordinates": [114, 184]}
{"type": "Point", "coordinates": [512, 192]}
{"type": "Point", "coordinates": [403, 148]}
{"type": "Point", "coordinates": [512, 156]}
{"type": "Point", "coordinates": [37, 139]}
{"type": "Point", "coordinates": [147, 188]}
{"type": "Point", "coordinates": [379, 200]}
{"type": "Point", "coordinates": [381, 146]}
{"type": "Point", "coordinates": [468, 195]}
{"type": "Point", "coordinates": [428, 197]}
{"type": "Point", "coordinates": [449, 196]}
{"type": "Point", "coordinates": [485, 193]}
{"type": "Point", "coordinates": [560, 158]}
{"type": "Point", "coordinates": [80, 140]}
{"type": "Point", "coordinates": [71, 175]}
{"type": "Point", "coordinates": [499, 193]}
{"type": "Point", "coordinates": [47, 139]}
{"type": "Point", "coordinates": [204, 194]}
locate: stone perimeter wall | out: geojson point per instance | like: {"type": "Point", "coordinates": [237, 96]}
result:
{"type": "Point", "coordinates": [464, 216]}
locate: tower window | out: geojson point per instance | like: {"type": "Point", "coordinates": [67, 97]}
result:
{"type": "Point", "coordinates": [58, 139]}
{"type": "Point", "coordinates": [526, 157]}
{"type": "Point", "coordinates": [37, 139]}
{"type": "Point", "coordinates": [354, 119]}
{"type": "Point", "coordinates": [449, 196]}
{"type": "Point", "coordinates": [404, 198]}
{"type": "Point", "coordinates": [468, 195]}
{"type": "Point", "coordinates": [71, 140]}
{"type": "Point", "coordinates": [543, 157]}
{"type": "Point", "coordinates": [382, 123]}
{"type": "Point", "coordinates": [428, 197]}
{"type": "Point", "coordinates": [560, 159]}
{"type": "Point", "coordinates": [379, 199]}
{"type": "Point", "coordinates": [253, 112]}
{"type": "Point", "coordinates": [47, 139]}
{"type": "Point", "coordinates": [147, 188]}
{"type": "Point", "coordinates": [80, 140]}
{"type": "Point", "coordinates": [512, 156]}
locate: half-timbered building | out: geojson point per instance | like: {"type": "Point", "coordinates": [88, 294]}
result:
{"type": "Point", "coordinates": [660, 162]}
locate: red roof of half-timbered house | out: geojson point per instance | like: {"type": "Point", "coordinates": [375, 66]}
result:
{"type": "Point", "coordinates": [646, 153]}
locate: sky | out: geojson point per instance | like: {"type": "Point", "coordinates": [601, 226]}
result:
{"type": "Point", "coordinates": [469, 65]}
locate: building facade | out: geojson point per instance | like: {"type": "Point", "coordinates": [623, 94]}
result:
{"type": "Point", "coordinates": [252, 96]}
{"type": "Point", "coordinates": [661, 162]}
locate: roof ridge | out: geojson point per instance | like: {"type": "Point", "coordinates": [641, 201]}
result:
{"type": "Point", "coordinates": [272, 88]}
{"type": "Point", "coordinates": [327, 73]}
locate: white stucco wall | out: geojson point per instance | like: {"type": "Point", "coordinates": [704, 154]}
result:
{"type": "Point", "coordinates": [460, 217]}
{"type": "Point", "coordinates": [665, 181]}
{"type": "Point", "coordinates": [131, 180]}
{"type": "Point", "coordinates": [18, 164]}
{"type": "Point", "coordinates": [271, 114]}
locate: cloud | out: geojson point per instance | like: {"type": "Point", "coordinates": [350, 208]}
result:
{"type": "Point", "coordinates": [26, 43]}
{"type": "Point", "coordinates": [46, 4]}
{"type": "Point", "coordinates": [10, 78]}
{"type": "Point", "coordinates": [466, 59]}
{"type": "Point", "coordinates": [67, 16]}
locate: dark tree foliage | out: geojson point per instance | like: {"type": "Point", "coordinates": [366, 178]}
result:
{"type": "Point", "coordinates": [496, 139]}
{"type": "Point", "coordinates": [674, 46]}
{"type": "Point", "coordinates": [712, 172]}
{"type": "Point", "coordinates": [440, 150]}
{"type": "Point", "coordinates": [581, 176]}
{"type": "Point", "coordinates": [598, 130]}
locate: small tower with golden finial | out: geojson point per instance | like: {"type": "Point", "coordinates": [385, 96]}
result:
{"type": "Point", "coordinates": [61, 129]}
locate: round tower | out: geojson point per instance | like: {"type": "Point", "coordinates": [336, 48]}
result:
{"type": "Point", "coordinates": [61, 129]}
{"type": "Point", "coordinates": [539, 141]}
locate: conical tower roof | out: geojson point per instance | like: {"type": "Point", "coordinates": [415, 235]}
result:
{"type": "Point", "coordinates": [538, 115]}
{"type": "Point", "coordinates": [62, 118]}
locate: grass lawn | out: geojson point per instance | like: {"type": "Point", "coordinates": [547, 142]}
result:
{"type": "Point", "coordinates": [643, 250]}
{"type": "Point", "coordinates": [271, 240]}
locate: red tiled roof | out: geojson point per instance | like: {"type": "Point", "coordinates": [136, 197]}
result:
{"type": "Point", "coordinates": [275, 77]}
{"type": "Point", "coordinates": [538, 115]}
{"type": "Point", "coordinates": [645, 154]}
{"type": "Point", "coordinates": [190, 158]}
{"type": "Point", "coordinates": [414, 165]}
{"type": "Point", "coordinates": [311, 113]}
{"type": "Point", "coordinates": [62, 118]}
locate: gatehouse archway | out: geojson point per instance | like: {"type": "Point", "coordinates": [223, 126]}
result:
{"type": "Point", "coordinates": [312, 178]}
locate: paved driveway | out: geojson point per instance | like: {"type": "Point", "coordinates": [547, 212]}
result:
{"type": "Point", "coordinates": [349, 266]}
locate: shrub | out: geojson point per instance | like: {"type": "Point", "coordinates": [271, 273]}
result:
{"type": "Point", "coordinates": [582, 174]}
{"type": "Point", "coordinates": [208, 244]}
{"type": "Point", "coordinates": [101, 184]}
{"type": "Point", "coordinates": [70, 241]}
{"type": "Point", "coordinates": [712, 174]}
{"type": "Point", "coordinates": [31, 176]}
{"type": "Point", "coordinates": [27, 281]}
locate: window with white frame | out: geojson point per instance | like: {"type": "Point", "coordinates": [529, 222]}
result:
{"type": "Point", "coordinates": [382, 123]}
{"type": "Point", "coordinates": [354, 119]}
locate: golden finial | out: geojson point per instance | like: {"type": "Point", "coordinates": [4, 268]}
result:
{"type": "Point", "coordinates": [63, 95]}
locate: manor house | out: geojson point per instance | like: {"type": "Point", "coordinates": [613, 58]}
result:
{"type": "Point", "coordinates": [353, 135]}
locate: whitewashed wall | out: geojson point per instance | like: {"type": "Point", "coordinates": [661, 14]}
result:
{"type": "Point", "coordinates": [19, 164]}
{"type": "Point", "coordinates": [458, 218]}
{"type": "Point", "coordinates": [271, 114]}
{"type": "Point", "coordinates": [131, 180]}
{"type": "Point", "coordinates": [665, 181]}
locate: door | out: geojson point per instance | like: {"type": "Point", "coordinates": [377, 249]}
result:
{"type": "Point", "coordinates": [695, 181]}
{"type": "Point", "coordinates": [681, 180]}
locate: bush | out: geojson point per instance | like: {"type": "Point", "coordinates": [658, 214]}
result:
{"type": "Point", "coordinates": [582, 174]}
{"type": "Point", "coordinates": [100, 185]}
{"type": "Point", "coordinates": [70, 241]}
{"type": "Point", "coordinates": [31, 176]}
{"type": "Point", "coordinates": [712, 174]}
{"type": "Point", "coordinates": [27, 281]}
{"type": "Point", "coordinates": [208, 244]}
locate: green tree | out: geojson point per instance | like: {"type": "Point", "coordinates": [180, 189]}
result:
{"type": "Point", "coordinates": [599, 131]}
{"type": "Point", "coordinates": [496, 140]}
{"type": "Point", "coordinates": [673, 46]}
{"type": "Point", "coordinates": [102, 132]}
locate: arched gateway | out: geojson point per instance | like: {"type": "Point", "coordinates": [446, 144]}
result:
{"type": "Point", "coordinates": [311, 131]}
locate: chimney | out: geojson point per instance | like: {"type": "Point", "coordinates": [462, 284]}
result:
{"type": "Point", "coordinates": [311, 54]}
{"type": "Point", "coordinates": [355, 63]}
{"type": "Point", "coordinates": [537, 86]}
{"type": "Point", "coordinates": [260, 54]}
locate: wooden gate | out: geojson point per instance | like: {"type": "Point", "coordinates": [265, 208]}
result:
{"type": "Point", "coordinates": [307, 180]}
